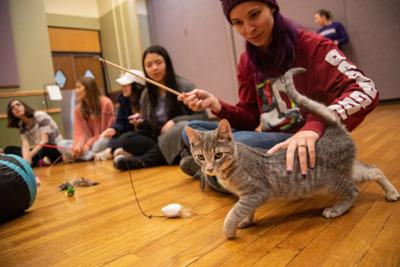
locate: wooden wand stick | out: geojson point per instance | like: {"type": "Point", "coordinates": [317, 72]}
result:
{"type": "Point", "coordinates": [166, 88]}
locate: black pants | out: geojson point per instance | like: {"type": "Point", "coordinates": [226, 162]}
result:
{"type": "Point", "coordinates": [133, 143]}
{"type": "Point", "coordinates": [52, 153]}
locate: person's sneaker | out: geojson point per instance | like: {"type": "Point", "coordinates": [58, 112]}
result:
{"type": "Point", "coordinates": [127, 162]}
{"type": "Point", "coordinates": [120, 151]}
{"type": "Point", "coordinates": [189, 166]}
{"type": "Point", "coordinates": [67, 158]}
{"type": "Point", "coordinates": [106, 154]}
{"type": "Point", "coordinates": [43, 162]}
{"type": "Point", "coordinates": [37, 181]}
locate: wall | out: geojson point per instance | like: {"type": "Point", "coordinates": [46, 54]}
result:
{"type": "Point", "coordinates": [122, 23]}
{"type": "Point", "coordinates": [75, 8]}
{"type": "Point", "coordinates": [8, 65]}
{"type": "Point", "coordinates": [121, 34]}
{"type": "Point", "coordinates": [72, 14]}
{"type": "Point", "coordinates": [199, 42]}
{"type": "Point", "coordinates": [125, 19]}
{"type": "Point", "coordinates": [33, 58]}
{"type": "Point", "coordinates": [372, 26]}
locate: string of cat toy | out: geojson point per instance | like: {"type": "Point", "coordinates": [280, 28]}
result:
{"type": "Point", "coordinates": [127, 167]}
{"type": "Point", "coordinates": [170, 90]}
{"type": "Point", "coordinates": [159, 85]}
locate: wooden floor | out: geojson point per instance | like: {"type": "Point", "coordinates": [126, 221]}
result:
{"type": "Point", "coordinates": [102, 225]}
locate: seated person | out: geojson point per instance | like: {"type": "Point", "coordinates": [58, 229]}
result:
{"type": "Point", "coordinates": [38, 132]}
{"type": "Point", "coordinates": [93, 114]}
{"type": "Point", "coordinates": [156, 137]}
{"type": "Point", "coordinates": [274, 46]}
{"type": "Point", "coordinates": [132, 88]}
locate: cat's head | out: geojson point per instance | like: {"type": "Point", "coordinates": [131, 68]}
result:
{"type": "Point", "coordinates": [212, 150]}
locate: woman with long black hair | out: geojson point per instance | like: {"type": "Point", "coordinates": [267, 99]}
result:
{"type": "Point", "coordinates": [156, 136]}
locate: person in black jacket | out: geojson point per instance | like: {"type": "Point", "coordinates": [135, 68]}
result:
{"type": "Point", "coordinates": [129, 103]}
{"type": "Point", "coordinates": [161, 117]}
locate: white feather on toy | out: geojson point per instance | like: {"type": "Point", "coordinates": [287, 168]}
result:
{"type": "Point", "coordinates": [176, 210]}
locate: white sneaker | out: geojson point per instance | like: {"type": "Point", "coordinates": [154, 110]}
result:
{"type": "Point", "coordinates": [120, 151]}
{"type": "Point", "coordinates": [103, 155]}
{"type": "Point", "coordinates": [67, 158]}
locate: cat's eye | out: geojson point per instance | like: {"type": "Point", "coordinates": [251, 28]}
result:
{"type": "Point", "coordinates": [200, 157]}
{"type": "Point", "coordinates": [218, 155]}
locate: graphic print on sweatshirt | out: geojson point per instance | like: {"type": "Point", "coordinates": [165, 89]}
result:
{"type": "Point", "coordinates": [278, 112]}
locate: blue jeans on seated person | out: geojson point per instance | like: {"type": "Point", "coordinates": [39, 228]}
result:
{"type": "Point", "coordinates": [263, 140]}
{"type": "Point", "coordinates": [65, 147]}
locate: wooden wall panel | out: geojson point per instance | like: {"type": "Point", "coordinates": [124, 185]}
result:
{"type": "Point", "coordinates": [74, 40]}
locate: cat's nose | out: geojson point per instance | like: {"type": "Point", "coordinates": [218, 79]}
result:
{"type": "Point", "coordinates": [210, 170]}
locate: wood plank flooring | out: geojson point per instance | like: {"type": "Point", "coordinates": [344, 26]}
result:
{"type": "Point", "coordinates": [103, 226]}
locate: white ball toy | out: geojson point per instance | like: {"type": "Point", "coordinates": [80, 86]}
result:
{"type": "Point", "coordinates": [172, 210]}
{"type": "Point", "coordinates": [176, 210]}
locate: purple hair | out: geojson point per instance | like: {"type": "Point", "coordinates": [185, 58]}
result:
{"type": "Point", "coordinates": [280, 53]}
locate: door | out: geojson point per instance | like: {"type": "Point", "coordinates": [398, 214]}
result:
{"type": "Point", "coordinates": [68, 67]}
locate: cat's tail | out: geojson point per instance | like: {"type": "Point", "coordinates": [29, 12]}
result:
{"type": "Point", "coordinates": [314, 107]}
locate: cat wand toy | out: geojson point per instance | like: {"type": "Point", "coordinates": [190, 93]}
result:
{"type": "Point", "coordinates": [166, 88]}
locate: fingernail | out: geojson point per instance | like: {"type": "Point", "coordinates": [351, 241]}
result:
{"type": "Point", "coordinates": [289, 171]}
{"type": "Point", "coordinates": [304, 175]}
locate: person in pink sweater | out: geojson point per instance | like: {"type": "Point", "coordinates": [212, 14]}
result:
{"type": "Point", "coordinates": [94, 113]}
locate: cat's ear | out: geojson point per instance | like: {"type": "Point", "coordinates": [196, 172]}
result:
{"type": "Point", "coordinates": [224, 130]}
{"type": "Point", "coordinates": [193, 135]}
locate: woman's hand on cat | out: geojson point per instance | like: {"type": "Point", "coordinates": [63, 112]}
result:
{"type": "Point", "coordinates": [304, 142]}
{"type": "Point", "coordinates": [200, 99]}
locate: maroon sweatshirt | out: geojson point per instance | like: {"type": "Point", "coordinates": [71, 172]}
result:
{"type": "Point", "coordinates": [330, 79]}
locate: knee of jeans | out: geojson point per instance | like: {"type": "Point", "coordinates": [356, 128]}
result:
{"type": "Point", "coordinates": [241, 138]}
{"type": "Point", "coordinates": [88, 155]}
{"type": "Point", "coordinates": [65, 145]}
{"type": "Point", "coordinates": [202, 125]}
{"type": "Point", "coordinates": [100, 145]}
{"type": "Point", "coordinates": [185, 137]}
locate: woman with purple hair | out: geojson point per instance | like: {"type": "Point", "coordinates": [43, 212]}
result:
{"type": "Point", "coordinates": [273, 46]}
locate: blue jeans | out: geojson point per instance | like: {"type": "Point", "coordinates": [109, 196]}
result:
{"type": "Point", "coordinates": [98, 146]}
{"type": "Point", "coordinates": [264, 140]}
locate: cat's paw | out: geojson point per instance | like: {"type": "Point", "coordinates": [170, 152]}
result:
{"type": "Point", "coordinates": [330, 213]}
{"type": "Point", "coordinates": [245, 224]}
{"type": "Point", "coordinates": [230, 232]}
{"type": "Point", "coordinates": [392, 196]}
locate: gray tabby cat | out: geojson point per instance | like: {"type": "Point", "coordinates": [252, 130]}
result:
{"type": "Point", "coordinates": [254, 176]}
